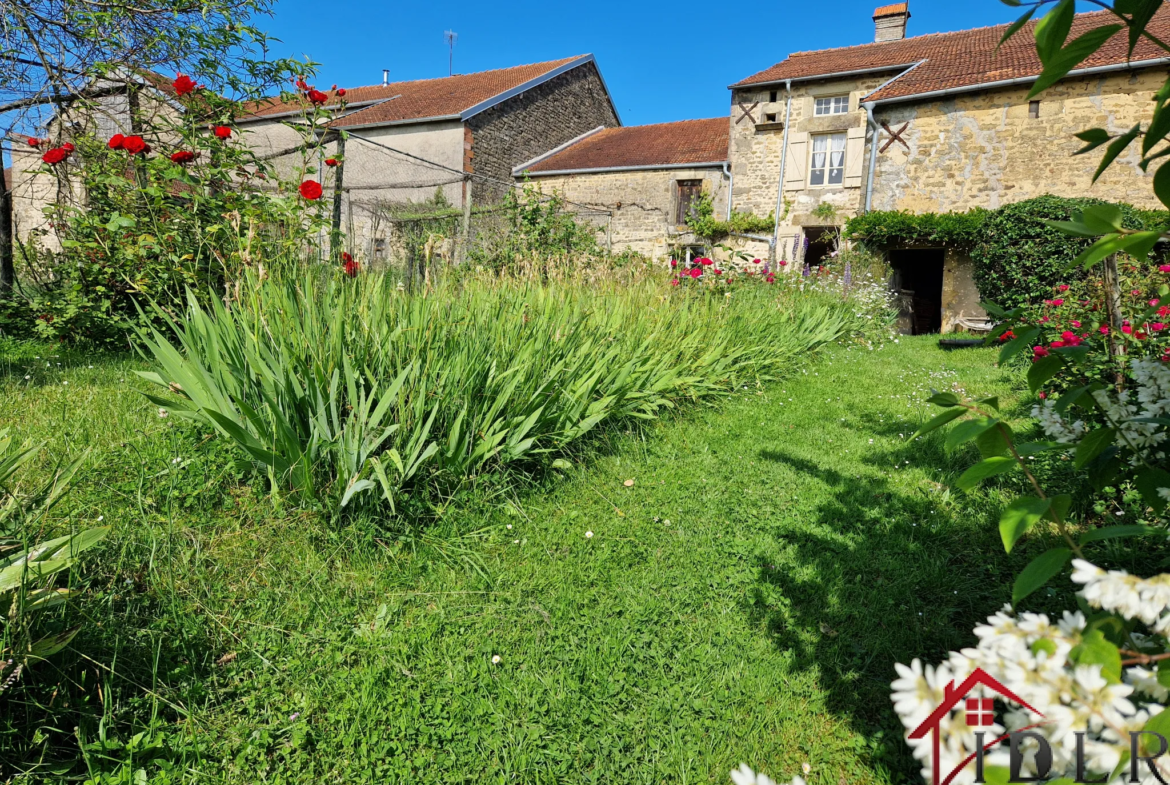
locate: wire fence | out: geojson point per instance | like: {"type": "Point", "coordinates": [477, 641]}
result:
{"type": "Point", "coordinates": [388, 207]}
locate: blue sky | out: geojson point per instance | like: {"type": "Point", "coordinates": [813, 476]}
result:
{"type": "Point", "coordinates": [662, 60]}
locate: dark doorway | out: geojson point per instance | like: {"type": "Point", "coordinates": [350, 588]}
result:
{"type": "Point", "coordinates": [823, 242]}
{"type": "Point", "coordinates": [918, 280]}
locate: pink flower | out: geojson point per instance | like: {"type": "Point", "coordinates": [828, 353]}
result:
{"type": "Point", "coordinates": [1075, 324]}
{"type": "Point", "coordinates": [1154, 302]}
{"type": "Point", "coordinates": [783, 263]}
{"type": "Point", "coordinates": [706, 262]}
{"type": "Point", "coordinates": [717, 271]}
{"type": "Point", "coordinates": [1141, 336]}
{"type": "Point", "coordinates": [1043, 395]}
{"type": "Point", "coordinates": [1058, 303]}
{"type": "Point", "coordinates": [755, 261]}
{"type": "Point", "coordinates": [1038, 352]}
{"type": "Point", "coordinates": [1157, 327]}
{"type": "Point", "coordinates": [674, 262]}
{"type": "Point", "coordinates": [1136, 292]}
{"type": "Point", "coordinates": [1063, 287]}
{"type": "Point", "coordinates": [1127, 329]}
{"type": "Point", "coordinates": [1164, 268]}
{"type": "Point", "coordinates": [674, 282]}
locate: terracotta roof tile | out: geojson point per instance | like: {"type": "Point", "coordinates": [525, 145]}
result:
{"type": "Point", "coordinates": [684, 142]}
{"type": "Point", "coordinates": [422, 98]}
{"type": "Point", "coordinates": [954, 60]}
{"type": "Point", "coordinates": [890, 10]}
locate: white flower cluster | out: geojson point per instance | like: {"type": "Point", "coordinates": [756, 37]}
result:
{"type": "Point", "coordinates": [1030, 655]}
{"type": "Point", "coordinates": [1144, 599]}
{"type": "Point", "coordinates": [1152, 392]}
{"type": "Point", "coordinates": [1055, 428]}
{"type": "Point", "coordinates": [745, 776]}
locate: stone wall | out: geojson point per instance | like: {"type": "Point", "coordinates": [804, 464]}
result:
{"type": "Point", "coordinates": [985, 150]}
{"type": "Point", "coordinates": [643, 205]}
{"type": "Point", "coordinates": [757, 144]}
{"type": "Point", "coordinates": [535, 122]}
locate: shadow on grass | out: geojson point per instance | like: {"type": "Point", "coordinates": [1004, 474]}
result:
{"type": "Point", "coordinates": [885, 576]}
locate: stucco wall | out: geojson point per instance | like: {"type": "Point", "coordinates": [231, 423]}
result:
{"type": "Point", "coordinates": [535, 122]}
{"type": "Point", "coordinates": [643, 204]}
{"type": "Point", "coordinates": [983, 149]}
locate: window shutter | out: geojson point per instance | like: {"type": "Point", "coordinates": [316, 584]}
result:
{"type": "Point", "coordinates": [854, 156]}
{"type": "Point", "coordinates": [796, 168]}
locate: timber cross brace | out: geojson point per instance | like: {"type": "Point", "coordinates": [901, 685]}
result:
{"type": "Point", "coordinates": [747, 112]}
{"type": "Point", "coordinates": [895, 136]}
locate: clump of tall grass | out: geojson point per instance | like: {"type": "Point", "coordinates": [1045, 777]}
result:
{"type": "Point", "coordinates": [344, 390]}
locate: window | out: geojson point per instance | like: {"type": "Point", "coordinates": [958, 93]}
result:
{"type": "Point", "coordinates": [828, 160]}
{"type": "Point", "coordinates": [772, 96]}
{"type": "Point", "coordinates": [980, 712]}
{"type": "Point", "coordinates": [1034, 110]}
{"type": "Point", "coordinates": [838, 104]}
{"type": "Point", "coordinates": [689, 192]}
{"type": "Point", "coordinates": [770, 117]}
{"type": "Point", "coordinates": [380, 248]}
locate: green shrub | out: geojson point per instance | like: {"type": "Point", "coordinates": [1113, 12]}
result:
{"type": "Point", "coordinates": [1020, 258]}
{"type": "Point", "coordinates": [886, 229]}
{"type": "Point", "coordinates": [706, 226]}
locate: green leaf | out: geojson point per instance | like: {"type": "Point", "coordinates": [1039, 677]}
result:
{"type": "Point", "coordinates": [1102, 218]}
{"type": "Point", "coordinates": [1042, 370]}
{"type": "Point", "coordinates": [1053, 28]}
{"type": "Point", "coordinates": [944, 399]}
{"type": "Point", "coordinates": [1162, 184]}
{"type": "Point", "coordinates": [1057, 66]}
{"type": "Point", "coordinates": [968, 430]}
{"type": "Point", "coordinates": [1019, 517]}
{"type": "Point", "coordinates": [1157, 130]}
{"type": "Point", "coordinates": [1093, 138]}
{"type": "Point", "coordinates": [1160, 722]}
{"type": "Point", "coordinates": [982, 470]}
{"type": "Point", "coordinates": [1094, 649]}
{"type": "Point", "coordinates": [1115, 533]}
{"type": "Point", "coordinates": [939, 421]}
{"type": "Point", "coordinates": [1018, 344]}
{"type": "Point", "coordinates": [1148, 481]}
{"type": "Point", "coordinates": [1118, 145]}
{"type": "Point", "coordinates": [991, 403]}
{"type": "Point", "coordinates": [1061, 504]}
{"type": "Point", "coordinates": [993, 442]}
{"type": "Point", "coordinates": [1072, 228]}
{"type": "Point", "coordinates": [1038, 572]}
{"type": "Point", "coordinates": [1093, 444]}
{"type": "Point", "coordinates": [1164, 673]}
{"type": "Point", "coordinates": [1138, 244]}
{"type": "Point", "coordinates": [1016, 25]}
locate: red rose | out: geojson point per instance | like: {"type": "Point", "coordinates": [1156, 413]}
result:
{"type": "Point", "coordinates": [115, 142]}
{"type": "Point", "coordinates": [674, 262]}
{"type": "Point", "coordinates": [783, 264]}
{"type": "Point", "coordinates": [352, 267]}
{"type": "Point", "coordinates": [1038, 352]}
{"type": "Point", "coordinates": [1007, 336]}
{"type": "Point", "coordinates": [316, 96]}
{"type": "Point", "coordinates": [222, 132]}
{"type": "Point", "coordinates": [183, 85]}
{"type": "Point", "coordinates": [301, 83]}
{"type": "Point", "coordinates": [331, 162]}
{"type": "Point", "coordinates": [341, 93]}
{"type": "Point", "coordinates": [1104, 329]}
{"type": "Point", "coordinates": [34, 142]}
{"type": "Point", "coordinates": [717, 271]}
{"type": "Point", "coordinates": [674, 282]}
{"type": "Point", "coordinates": [1063, 287]}
{"type": "Point", "coordinates": [55, 156]}
{"type": "Point", "coordinates": [346, 256]}
{"type": "Point", "coordinates": [134, 144]}
{"type": "Point", "coordinates": [182, 156]}
{"type": "Point", "coordinates": [68, 147]}
{"type": "Point", "coordinates": [311, 190]}
{"type": "Point", "coordinates": [1128, 330]}
{"type": "Point", "coordinates": [706, 262]}
{"type": "Point", "coordinates": [755, 261]}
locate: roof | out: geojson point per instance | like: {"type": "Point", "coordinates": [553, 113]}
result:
{"type": "Point", "coordinates": [892, 10]}
{"type": "Point", "coordinates": [424, 99]}
{"type": "Point", "coordinates": [967, 59]}
{"type": "Point", "coordinates": [687, 142]}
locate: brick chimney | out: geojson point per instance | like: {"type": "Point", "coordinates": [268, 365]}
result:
{"type": "Point", "coordinates": [890, 22]}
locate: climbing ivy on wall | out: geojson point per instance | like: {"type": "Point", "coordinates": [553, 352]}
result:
{"type": "Point", "coordinates": [892, 229]}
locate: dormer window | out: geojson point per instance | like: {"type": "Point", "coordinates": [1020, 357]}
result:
{"type": "Point", "coordinates": [838, 104]}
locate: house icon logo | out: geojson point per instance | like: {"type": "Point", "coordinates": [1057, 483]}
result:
{"type": "Point", "coordinates": [980, 713]}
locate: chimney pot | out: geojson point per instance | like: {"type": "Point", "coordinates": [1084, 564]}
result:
{"type": "Point", "coordinates": [385, 76]}
{"type": "Point", "coordinates": [890, 22]}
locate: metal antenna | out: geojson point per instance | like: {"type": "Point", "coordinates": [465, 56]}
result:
{"type": "Point", "coordinates": [450, 37]}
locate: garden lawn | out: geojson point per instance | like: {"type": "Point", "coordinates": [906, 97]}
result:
{"type": "Point", "coordinates": [743, 599]}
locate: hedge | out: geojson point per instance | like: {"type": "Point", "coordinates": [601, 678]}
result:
{"type": "Point", "coordinates": [1018, 258]}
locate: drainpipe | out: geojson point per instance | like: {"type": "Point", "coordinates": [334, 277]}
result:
{"type": "Point", "coordinates": [730, 186]}
{"type": "Point", "coordinates": [872, 157]}
{"type": "Point", "coordinates": [783, 163]}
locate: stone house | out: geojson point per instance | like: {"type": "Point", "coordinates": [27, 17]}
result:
{"type": "Point", "coordinates": [460, 134]}
{"type": "Point", "coordinates": [468, 131]}
{"type": "Point", "coordinates": [123, 104]}
{"type": "Point", "coordinates": [932, 123]}
{"type": "Point", "coordinates": [646, 179]}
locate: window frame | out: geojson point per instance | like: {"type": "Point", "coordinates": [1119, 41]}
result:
{"type": "Point", "coordinates": [835, 107]}
{"type": "Point", "coordinates": [680, 213]}
{"type": "Point", "coordinates": [827, 168]}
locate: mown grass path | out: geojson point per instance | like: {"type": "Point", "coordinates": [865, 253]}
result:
{"type": "Point", "coordinates": [744, 600]}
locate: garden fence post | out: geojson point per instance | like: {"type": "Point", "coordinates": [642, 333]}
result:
{"type": "Point", "coordinates": [1113, 312]}
{"type": "Point", "coordinates": [465, 230]}
{"type": "Point", "coordinates": [335, 226]}
{"type": "Point", "coordinates": [7, 268]}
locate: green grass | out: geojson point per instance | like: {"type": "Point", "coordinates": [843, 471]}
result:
{"type": "Point", "coordinates": [744, 600]}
